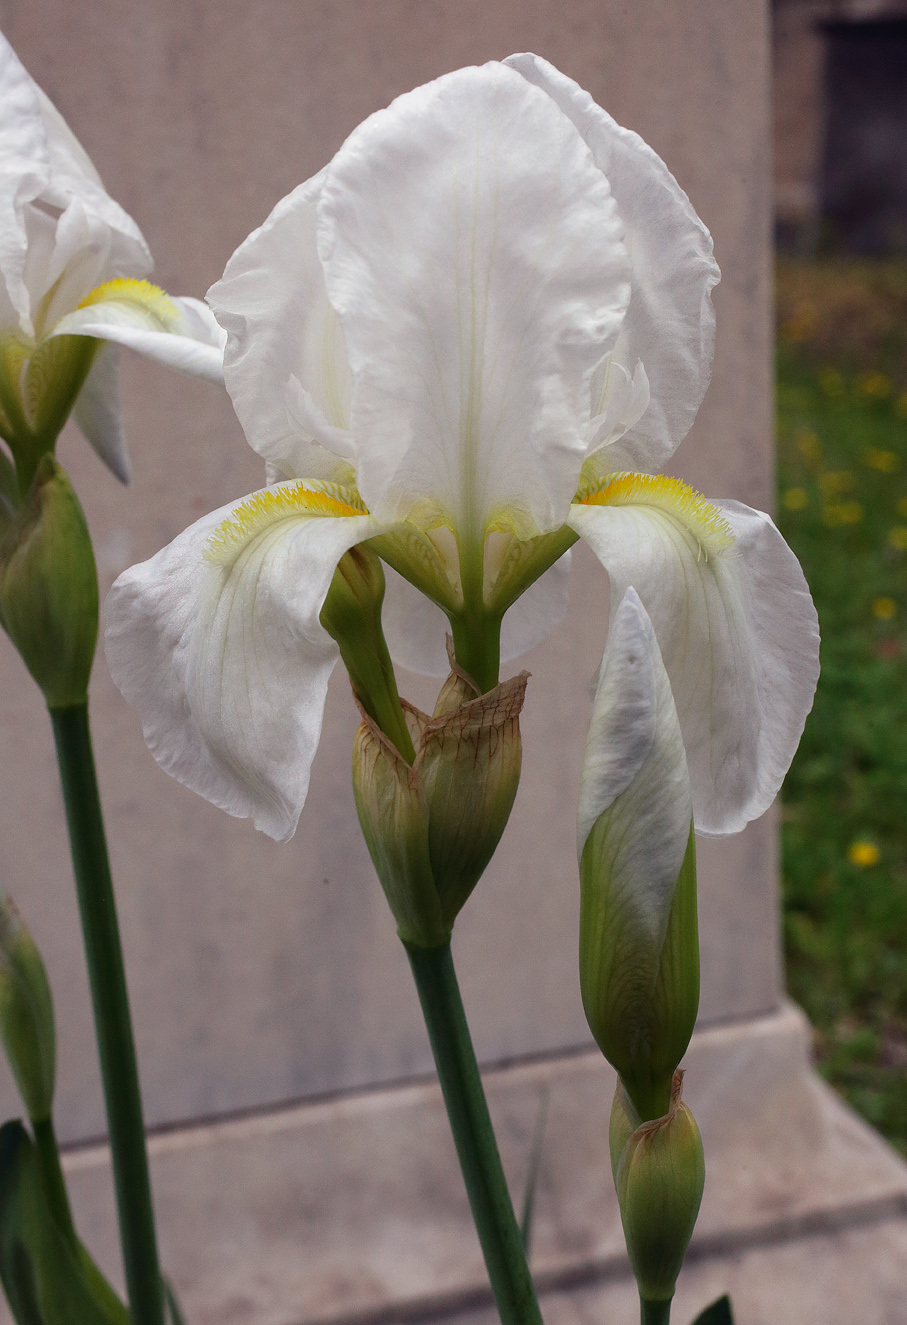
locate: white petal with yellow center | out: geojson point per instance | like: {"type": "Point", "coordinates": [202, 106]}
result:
{"type": "Point", "coordinates": [217, 642]}
{"type": "Point", "coordinates": [179, 332]}
{"type": "Point", "coordinates": [735, 624]}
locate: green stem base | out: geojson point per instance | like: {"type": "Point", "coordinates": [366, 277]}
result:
{"type": "Point", "coordinates": [477, 1149]}
{"type": "Point", "coordinates": [654, 1313]}
{"type": "Point", "coordinates": [110, 999]}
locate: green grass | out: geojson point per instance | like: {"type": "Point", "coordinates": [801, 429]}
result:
{"type": "Point", "coordinates": [842, 467]}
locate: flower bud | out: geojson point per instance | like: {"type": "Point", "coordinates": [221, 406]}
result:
{"type": "Point", "coordinates": [352, 616]}
{"type": "Point", "coordinates": [660, 1178]}
{"type": "Point", "coordinates": [26, 1014]}
{"type": "Point", "coordinates": [639, 945]}
{"type": "Point", "coordinates": [431, 828]}
{"type": "Point", "coordinates": [38, 389]}
{"type": "Point", "coordinates": [49, 587]}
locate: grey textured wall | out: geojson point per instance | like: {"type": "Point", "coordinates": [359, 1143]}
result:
{"type": "Point", "coordinates": [262, 973]}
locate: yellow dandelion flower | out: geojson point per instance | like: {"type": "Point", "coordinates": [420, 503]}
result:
{"type": "Point", "coordinates": [795, 499]}
{"type": "Point", "coordinates": [809, 443]}
{"type": "Point", "coordinates": [897, 537]}
{"type": "Point", "coordinates": [874, 385]}
{"type": "Point", "coordinates": [831, 382]}
{"type": "Point", "coordinates": [883, 609]}
{"type": "Point", "coordinates": [900, 405]}
{"type": "Point", "coordinates": [842, 512]}
{"type": "Point", "coordinates": [886, 462]}
{"type": "Point", "coordinates": [836, 481]}
{"type": "Point", "coordinates": [863, 854]}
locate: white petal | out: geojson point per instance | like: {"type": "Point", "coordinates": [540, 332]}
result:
{"type": "Point", "coordinates": [474, 255]}
{"type": "Point", "coordinates": [99, 413]}
{"type": "Point", "coordinates": [24, 170]}
{"type": "Point", "coordinates": [194, 345]}
{"type": "Point", "coordinates": [670, 324]}
{"type": "Point", "coordinates": [739, 637]}
{"type": "Point", "coordinates": [273, 304]}
{"type": "Point", "coordinates": [635, 771]}
{"type": "Point", "coordinates": [228, 663]}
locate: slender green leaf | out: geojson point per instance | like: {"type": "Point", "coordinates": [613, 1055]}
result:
{"type": "Point", "coordinates": [171, 1306]}
{"type": "Point", "coordinates": [719, 1313]}
{"type": "Point", "coordinates": [532, 1172]}
{"type": "Point", "coordinates": [46, 1282]}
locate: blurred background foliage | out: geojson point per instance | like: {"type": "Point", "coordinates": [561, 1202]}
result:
{"type": "Point", "coordinates": [842, 505]}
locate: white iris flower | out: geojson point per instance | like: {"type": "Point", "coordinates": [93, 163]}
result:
{"type": "Point", "coordinates": [72, 265]}
{"type": "Point", "coordinates": [477, 334]}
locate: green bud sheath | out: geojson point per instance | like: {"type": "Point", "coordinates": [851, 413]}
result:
{"type": "Point", "coordinates": [660, 1179]}
{"type": "Point", "coordinates": [38, 388]}
{"type": "Point", "coordinates": [393, 814]}
{"type": "Point", "coordinates": [469, 756]}
{"type": "Point", "coordinates": [26, 1014]}
{"type": "Point", "coordinates": [432, 827]}
{"type": "Point", "coordinates": [49, 587]}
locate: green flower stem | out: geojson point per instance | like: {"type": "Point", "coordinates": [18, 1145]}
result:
{"type": "Point", "coordinates": [654, 1313]}
{"type": "Point", "coordinates": [111, 1010]}
{"type": "Point", "coordinates": [477, 1149]}
{"type": "Point", "coordinates": [52, 1173]}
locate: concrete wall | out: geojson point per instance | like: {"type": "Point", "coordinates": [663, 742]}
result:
{"type": "Point", "coordinates": [264, 973]}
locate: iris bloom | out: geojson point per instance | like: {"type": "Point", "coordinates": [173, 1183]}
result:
{"type": "Point", "coordinates": [72, 265]}
{"type": "Point", "coordinates": [476, 335]}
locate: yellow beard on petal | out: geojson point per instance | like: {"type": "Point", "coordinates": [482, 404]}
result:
{"type": "Point", "coordinates": [126, 290]}
{"type": "Point", "coordinates": [266, 508]}
{"type": "Point", "coordinates": [703, 520]}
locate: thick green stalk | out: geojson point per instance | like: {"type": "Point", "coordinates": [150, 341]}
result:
{"type": "Point", "coordinates": [51, 1172]}
{"type": "Point", "coordinates": [654, 1313]}
{"type": "Point", "coordinates": [113, 1027]}
{"type": "Point", "coordinates": [477, 1149]}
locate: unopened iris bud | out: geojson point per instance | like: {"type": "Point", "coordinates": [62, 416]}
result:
{"type": "Point", "coordinates": [352, 616]}
{"type": "Point", "coordinates": [49, 587]}
{"type": "Point", "coordinates": [431, 828]}
{"type": "Point", "coordinates": [26, 1014]}
{"type": "Point", "coordinates": [660, 1179]}
{"type": "Point", "coordinates": [639, 946]}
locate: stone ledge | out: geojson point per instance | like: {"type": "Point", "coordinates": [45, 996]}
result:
{"type": "Point", "coordinates": [353, 1210]}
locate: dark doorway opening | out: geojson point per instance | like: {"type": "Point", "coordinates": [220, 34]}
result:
{"type": "Point", "coordinates": [864, 174]}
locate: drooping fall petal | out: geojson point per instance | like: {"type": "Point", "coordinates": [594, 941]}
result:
{"type": "Point", "coordinates": [735, 625]}
{"type": "Point", "coordinates": [217, 642]}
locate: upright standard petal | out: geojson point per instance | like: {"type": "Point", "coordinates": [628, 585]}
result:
{"type": "Point", "coordinates": [217, 642]}
{"type": "Point", "coordinates": [24, 169]}
{"type": "Point", "coordinates": [473, 253]}
{"type": "Point", "coordinates": [735, 624]}
{"type": "Point", "coordinates": [670, 324]}
{"type": "Point", "coordinates": [181, 333]}
{"type": "Point", "coordinates": [285, 365]}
